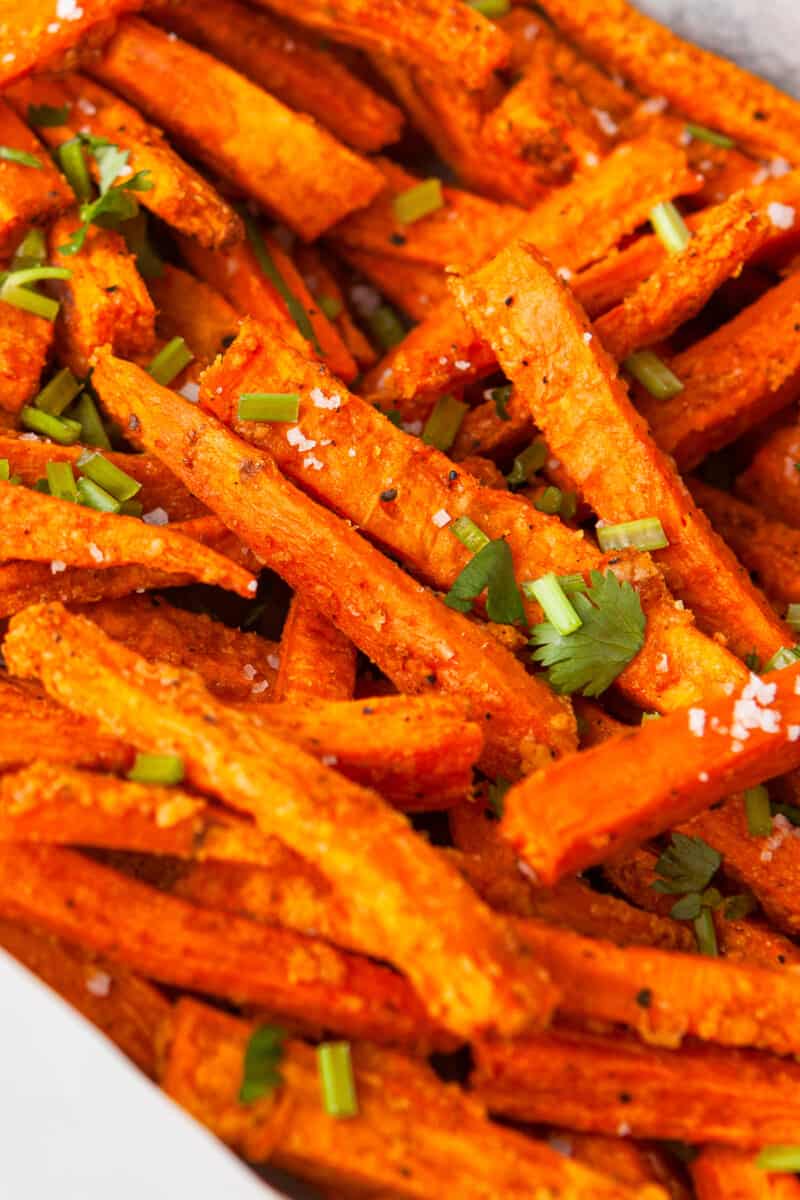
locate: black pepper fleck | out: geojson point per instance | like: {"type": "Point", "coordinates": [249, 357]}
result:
{"type": "Point", "coordinates": [625, 1097]}
{"type": "Point", "coordinates": [509, 300]}
{"type": "Point", "coordinates": [133, 421]}
{"type": "Point", "coordinates": [389, 495]}
{"type": "Point", "coordinates": [644, 998]}
{"type": "Point", "coordinates": [398, 239]}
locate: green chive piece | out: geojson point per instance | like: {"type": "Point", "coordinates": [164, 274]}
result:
{"type": "Point", "coordinates": [29, 301]}
{"type": "Point", "coordinates": [331, 306]}
{"type": "Point", "coordinates": [46, 116]}
{"type": "Point", "coordinates": [31, 252]}
{"type": "Point", "coordinates": [779, 1158]}
{"type": "Point", "coordinates": [73, 164]}
{"type": "Point", "coordinates": [792, 617]}
{"type": "Point", "coordinates": [442, 426]}
{"type": "Point", "coordinates": [705, 933]}
{"type": "Point", "coordinates": [501, 396]}
{"type": "Point", "coordinates": [61, 481]}
{"type": "Point", "coordinates": [386, 327]}
{"type": "Point", "coordinates": [59, 393]}
{"type": "Point", "coordinates": [670, 227]}
{"type": "Point", "coordinates": [42, 486]}
{"type": "Point", "coordinates": [702, 133]}
{"type": "Point", "coordinates": [757, 810]}
{"type": "Point", "coordinates": [550, 501]}
{"type": "Point", "coordinates": [469, 534]}
{"type": "Point", "coordinates": [63, 430]}
{"type": "Point", "coordinates": [164, 769]}
{"type": "Point", "coordinates": [265, 260]}
{"type": "Point", "coordinates": [115, 481]}
{"type": "Point", "coordinates": [568, 506]}
{"type": "Point", "coordinates": [645, 534]}
{"type": "Point", "coordinates": [336, 1076]}
{"type": "Point", "coordinates": [653, 374]}
{"type": "Point", "coordinates": [131, 508]}
{"type": "Point", "coordinates": [555, 604]}
{"type": "Point", "coordinates": [526, 464]}
{"type": "Point", "coordinates": [491, 8]}
{"type": "Point", "coordinates": [496, 796]}
{"type": "Point", "coordinates": [418, 201]}
{"type": "Point", "coordinates": [262, 1060]}
{"type": "Point", "coordinates": [573, 583]}
{"type": "Point", "coordinates": [170, 361]}
{"type": "Point", "coordinates": [148, 263]}
{"type": "Point", "coordinates": [650, 716]}
{"type": "Point", "coordinates": [268, 406]}
{"type": "Point", "coordinates": [92, 429]}
{"type": "Point", "coordinates": [5, 469]}
{"type": "Point", "coordinates": [9, 154]}
{"type": "Point", "coordinates": [94, 496]}
{"type": "Point", "coordinates": [785, 657]}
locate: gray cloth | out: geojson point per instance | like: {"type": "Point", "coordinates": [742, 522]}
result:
{"type": "Point", "coordinates": [763, 35]}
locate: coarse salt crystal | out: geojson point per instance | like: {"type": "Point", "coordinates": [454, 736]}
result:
{"type": "Point", "coordinates": [781, 215]}
{"type": "Point", "coordinates": [258, 688]}
{"type": "Point", "coordinates": [68, 10]}
{"type": "Point", "coordinates": [329, 760]}
{"type": "Point", "coordinates": [351, 453]}
{"type": "Point", "coordinates": [99, 983]}
{"type": "Point", "coordinates": [311, 461]}
{"type": "Point", "coordinates": [295, 437]}
{"type": "Point", "coordinates": [462, 364]}
{"type": "Point", "coordinates": [443, 361]}
{"type": "Point", "coordinates": [252, 587]}
{"type": "Point", "coordinates": [9, 57]}
{"type": "Point", "coordinates": [623, 1129]}
{"type": "Point", "coordinates": [591, 159]}
{"type": "Point", "coordinates": [190, 391]}
{"type": "Point", "coordinates": [441, 518]}
{"type": "Point", "coordinates": [564, 273]}
{"type": "Point", "coordinates": [95, 551]}
{"type": "Point", "coordinates": [654, 104]}
{"type": "Point", "coordinates": [320, 400]}
{"type": "Point", "coordinates": [697, 721]}
{"type": "Point", "coordinates": [662, 664]}
{"type": "Point", "coordinates": [274, 661]}
{"type": "Point", "coordinates": [605, 121]}
{"type": "Point", "coordinates": [413, 427]}
{"type": "Point", "coordinates": [792, 733]}
{"type": "Point", "coordinates": [527, 871]}
{"type": "Point", "coordinates": [587, 337]}
{"type": "Point", "coordinates": [57, 566]}
{"type": "Point", "coordinates": [703, 777]}
{"type": "Point", "coordinates": [156, 516]}
{"type": "Point", "coordinates": [249, 671]}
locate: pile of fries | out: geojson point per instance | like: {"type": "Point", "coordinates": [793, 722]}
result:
{"type": "Point", "coordinates": [400, 583]}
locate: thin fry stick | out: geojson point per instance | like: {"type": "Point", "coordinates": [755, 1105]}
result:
{"type": "Point", "coordinates": [317, 661]}
{"type": "Point", "coordinates": [34, 727]}
{"type": "Point", "coordinates": [771, 482]}
{"type": "Point", "coordinates": [188, 308]}
{"type": "Point", "coordinates": [415, 289]}
{"type": "Point", "coordinates": [245, 134]}
{"type": "Point", "coordinates": [29, 195]}
{"type": "Point", "coordinates": [467, 967]}
{"type": "Point", "coordinates": [719, 1173]}
{"type": "Point", "coordinates": [25, 342]}
{"type": "Point", "coordinates": [33, 40]}
{"type": "Point", "coordinates": [323, 284]}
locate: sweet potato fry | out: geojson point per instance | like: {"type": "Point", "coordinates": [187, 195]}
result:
{"type": "Point", "coordinates": [25, 342]}
{"type": "Point", "coordinates": [34, 727]}
{"type": "Point", "coordinates": [708, 89]}
{"type": "Point", "coordinates": [246, 135]}
{"type": "Point", "coordinates": [452, 39]}
{"type": "Point", "coordinates": [467, 968]}
{"type": "Point", "coordinates": [290, 65]}
{"type": "Point", "coordinates": [29, 195]}
{"type": "Point", "coordinates": [188, 308]}
{"type": "Point", "coordinates": [39, 528]}
{"type": "Point", "coordinates": [179, 194]}
{"type": "Point", "coordinates": [719, 1173]}
{"type": "Point", "coordinates": [130, 1011]}
{"type": "Point", "coordinates": [601, 441]}
{"type": "Point", "coordinates": [411, 1127]}
{"type": "Point", "coordinates": [415, 639]}
{"type": "Point", "coordinates": [772, 481]}
{"type": "Point", "coordinates": [317, 661]}
{"type": "Point", "coordinates": [632, 1163]}
{"type": "Point", "coordinates": [604, 801]}
{"type": "Point", "coordinates": [176, 943]}
{"type": "Point", "coordinates": [32, 40]}
{"type": "Point", "coordinates": [610, 1083]}
{"type": "Point", "coordinates": [416, 290]}
{"type": "Point", "coordinates": [104, 300]}
{"type": "Point", "coordinates": [323, 285]}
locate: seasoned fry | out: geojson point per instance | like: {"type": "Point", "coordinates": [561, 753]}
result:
{"type": "Point", "coordinates": [772, 481]}
{"type": "Point", "coordinates": [415, 289]}
{"type": "Point", "coordinates": [468, 968]}
{"type": "Point", "coordinates": [410, 1130]}
{"type": "Point", "coordinates": [33, 40]}
{"type": "Point", "coordinates": [630, 1162]}
{"type": "Point", "coordinates": [25, 342]}
{"type": "Point", "coordinates": [179, 195]}
{"type": "Point", "coordinates": [281, 159]}
{"type": "Point", "coordinates": [29, 195]}
{"type": "Point", "coordinates": [39, 528]}
{"type": "Point", "coordinates": [324, 286]}
{"type": "Point", "coordinates": [34, 727]}
{"type": "Point", "coordinates": [546, 348]}
{"type": "Point", "coordinates": [290, 65]}
{"type": "Point", "coordinates": [722, 1174]}
{"type": "Point", "coordinates": [607, 1083]}
{"type": "Point", "coordinates": [317, 661]}
{"type": "Point", "coordinates": [188, 308]}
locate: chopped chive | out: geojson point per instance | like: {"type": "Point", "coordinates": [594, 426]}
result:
{"type": "Point", "coordinates": [501, 396]}
{"type": "Point", "coordinates": [792, 617]}
{"type": "Point", "coordinates": [331, 306]}
{"type": "Point", "coordinates": [785, 1159]}
{"type": "Point", "coordinates": [555, 604]}
{"type": "Point", "coordinates": [573, 583]}
{"type": "Point", "coordinates": [61, 481]}
{"type": "Point", "coordinates": [568, 506]}
{"type": "Point", "coordinates": [30, 275]}
{"type": "Point", "coordinates": [550, 501]}
{"type": "Point", "coordinates": [268, 406]}
{"type": "Point", "coordinates": [9, 154]}
{"type": "Point", "coordinates": [469, 534]}
{"type": "Point", "coordinates": [115, 481]}
{"type": "Point", "coordinates": [170, 361]}
{"type": "Point", "coordinates": [262, 1058]}
{"type": "Point", "coordinates": [59, 429]}
{"type": "Point", "coordinates": [73, 164]}
{"type": "Point", "coordinates": [162, 769]}
{"type": "Point", "coordinates": [5, 469]}
{"type": "Point", "coordinates": [526, 464]}
{"type": "Point", "coordinates": [42, 486]}
{"type": "Point", "coordinates": [46, 116]}
{"type": "Point", "coordinates": [650, 716]}
{"type": "Point", "coordinates": [386, 327]}
{"type": "Point", "coordinates": [268, 266]}
{"type": "Point", "coordinates": [645, 534]}
{"type": "Point", "coordinates": [653, 374]}
{"type": "Point", "coordinates": [670, 227]}
{"type": "Point", "coordinates": [336, 1076]}
{"type": "Point", "coordinates": [131, 508]}
{"type": "Point", "coordinates": [496, 796]}
{"type": "Point", "coordinates": [59, 393]}
{"type": "Point", "coordinates": [418, 201]}
{"type": "Point", "coordinates": [148, 263]}
{"type": "Point", "coordinates": [491, 8]}
{"type": "Point", "coordinates": [31, 252]}
{"type": "Point", "coordinates": [702, 134]}
{"type": "Point", "coordinates": [785, 657]}
{"type": "Point", "coordinates": [442, 426]}
{"type": "Point", "coordinates": [29, 301]}
{"type": "Point", "coordinates": [92, 429]}
{"type": "Point", "coordinates": [94, 496]}
{"type": "Point", "coordinates": [705, 933]}
{"type": "Point", "coordinates": [757, 810]}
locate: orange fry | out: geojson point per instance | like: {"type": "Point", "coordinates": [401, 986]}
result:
{"type": "Point", "coordinates": [188, 308]}
{"type": "Point", "coordinates": [33, 40]}
{"type": "Point", "coordinates": [34, 727]}
{"type": "Point", "coordinates": [324, 285]}
{"type": "Point", "coordinates": [317, 661]}
{"type": "Point", "coordinates": [25, 342]}
{"type": "Point", "coordinates": [29, 195]}
{"type": "Point", "coordinates": [719, 1173]}
{"type": "Point", "coordinates": [772, 482]}
{"type": "Point", "coordinates": [414, 288]}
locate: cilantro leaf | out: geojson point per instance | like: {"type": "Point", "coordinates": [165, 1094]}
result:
{"type": "Point", "coordinates": [262, 1059]}
{"type": "Point", "coordinates": [612, 633]}
{"type": "Point", "coordinates": [740, 906]}
{"type": "Point", "coordinates": [688, 865]}
{"type": "Point", "coordinates": [112, 162]}
{"type": "Point", "coordinates": [687, 908]}
{"type": "Point", "coordinates": [492, 568]}
{"type": "Point", "coordinates": [113, 207]}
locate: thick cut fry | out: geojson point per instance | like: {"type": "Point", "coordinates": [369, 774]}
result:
{"type": "Point", "coordinates": [130, 1011]}
{"type": "Point", "coordinates": [605, 1083]}
{"type": "Point", "coordinates": [33, 40]}
{"type": "Point", "coordinates": [323, 284]}
{"type": "Point", "coordinates": [290, 65]}
{"type": "Point", "coordinates": [410, 1131]}
{"type": "Point", "coordinates": [772, 481]}
{"type": "Point", "coordinates": [39, 528]}
{"type": "Point", "coordinates": [591, 427]}
{"type": "Point", "coordinates": [29, 195]}
{"type": "Point", "coordinates": [33, 727]}
{"type": "Point", "coordinates": [188, 308]}
{"type": "Point", "coordinates": [317, 661]}
{"type": "Point", "coordinates": [179, 194]}
{"type": "Point", "coordinates": [744, 372]}
{"type": "Point", "coordinates": [719, 1173]}
{"type": "Point", "coordinates": [411, 904]}
{"type": "Point", "coordinates": [25, 342]}
{"type": "Point", "coordinates": [104, 300]}
{"type": "Point", "coordinates": [278, 157]}
{"type": "Point", "coordinates": [417, 641]}
{"type": "Point", "coordinates": [710, 90]}
{"type": "Point", "coordinates": [604, 801]}
{"type": "Point", "coordinates": [454, 39]}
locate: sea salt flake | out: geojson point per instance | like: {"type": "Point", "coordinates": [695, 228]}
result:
{"type": "Point", "coordinates": [68, 10]}
{"type": "Point", "coordinates": [249, 671]}
{"type": "Point", "coordinates": [274, 661]}
{"type": "Point", "coordinates": [605, 121]}
{"type": "Point", "coordinates": [441, 518]}
{"type": "Point", "coordinates": [96, 552]}
{"type": "Point", "coordinates": [260, 687]}
{"type": "Point", "coordinates": [156, 516]}
{"type": "Point", "coordinates": [320, 400]}
{"type": "Point", "coordinates": [190, 391]}
{"type": "Point", "coordinates": [792, 733]}
{"type": "Point", "coordinates": [311, 460]}
{"type": "Point", "coordinates": [99, 983]}
{"type": "Point", "coordinates": [781, 215]}
{"type": "Point", "coordinates": [57, 566]}
{"type": "Point", "coordinates": [697, 721]}
{"type": "Point", "coordinates": [295, 437]}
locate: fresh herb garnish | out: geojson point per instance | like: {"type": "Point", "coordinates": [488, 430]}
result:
{"type": "Point", "coordinates": [115, 203]}
{"type": "Point", "coordinates": [46, 116]}
{"type": "Point", "coordinates": [262, 1059]}
{"type": "Point", "coordinates": [496, 796]}
{"type": "Point", "coordinates": [686, 869]}
{"type": "Point", "coordinates": [492, 569]}
{"type": "Point", "coordinates": [9, 154]}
